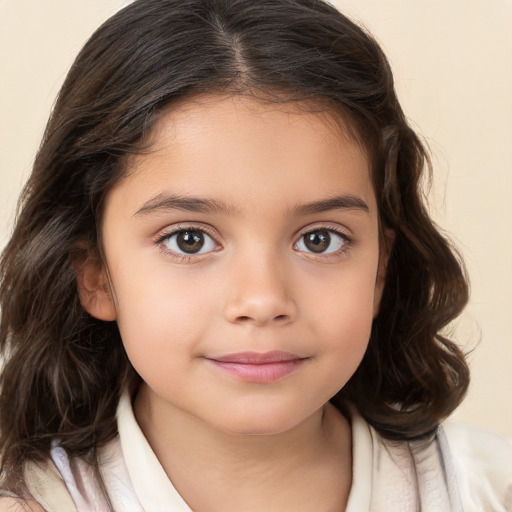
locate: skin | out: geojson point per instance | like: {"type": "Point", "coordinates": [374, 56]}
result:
{"type": "Point", "coordinates": [225, 442]}
{"type": "Point", "coordinates": [17, 505]}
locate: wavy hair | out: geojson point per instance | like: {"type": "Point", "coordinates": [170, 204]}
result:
{"type": "Point", "coordinates": [64, 370]}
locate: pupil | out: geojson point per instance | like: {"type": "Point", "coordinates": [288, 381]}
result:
{"type": "Point", "coordinates": [317, 241]}
{"type": "Point", "coordinates": [190, 241]}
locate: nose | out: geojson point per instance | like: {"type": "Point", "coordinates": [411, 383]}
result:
{"type": "Point", "coordinates": [260, 293]}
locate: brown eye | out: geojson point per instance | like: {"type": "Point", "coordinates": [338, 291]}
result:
{"type": "Point", "coordinates": [189, 241]}
{"type": "Point", "coordinates": [320, 241]}
{"type": "Point", "coordinates": [317, 241]}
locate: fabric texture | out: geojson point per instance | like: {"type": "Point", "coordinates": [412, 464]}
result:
{"type": "Point", "coordinates": [461, 469]}
{"type": "Point", "coordinates": [47, 487]}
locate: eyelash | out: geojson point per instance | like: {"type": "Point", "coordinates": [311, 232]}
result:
{"type": "Point", "coordinates": [348, 241]}
{"type": "Point", "coordinates": [184, 258]}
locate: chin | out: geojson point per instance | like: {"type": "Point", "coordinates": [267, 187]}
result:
{"type": "Point", "coordinates": [261, 423]}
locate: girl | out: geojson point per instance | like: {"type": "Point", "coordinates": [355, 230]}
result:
{"type": "Point", "coordinates": [223, 291]}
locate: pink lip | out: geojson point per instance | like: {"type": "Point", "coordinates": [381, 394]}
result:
{"type": "Point", "coordinates": [258, 367]}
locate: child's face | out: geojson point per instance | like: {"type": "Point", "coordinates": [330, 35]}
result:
{"type": "Point", "coordinates": [250, 229]}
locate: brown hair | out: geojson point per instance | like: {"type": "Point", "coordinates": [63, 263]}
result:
{"type": "Point", "coordinates": [64, 370]}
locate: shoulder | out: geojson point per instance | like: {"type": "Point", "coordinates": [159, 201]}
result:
{"type": "Point", "coordinates": [482, 462]}
{"type": "Point", "coordinates": [19, 505]}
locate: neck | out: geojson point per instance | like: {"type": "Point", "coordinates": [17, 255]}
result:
{"type": "Point", "coordinates": [304, 464]}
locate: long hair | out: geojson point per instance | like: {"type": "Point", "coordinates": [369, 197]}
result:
{"type": "Point", "coordinates": [64, 370]}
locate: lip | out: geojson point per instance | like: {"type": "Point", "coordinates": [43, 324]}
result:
{"type": "Point", "coordinates": [258, 366]}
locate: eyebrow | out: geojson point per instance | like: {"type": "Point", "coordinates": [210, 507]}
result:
{"type": "Point", "coordinates": [169, 202]}
{"type": "Point", "coordinates": [345, 202]}
{"type": "Point", "coordinates": [166, 202]}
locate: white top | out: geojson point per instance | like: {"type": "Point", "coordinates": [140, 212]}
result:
{"type": "Point", "coordinates": [463, 469]}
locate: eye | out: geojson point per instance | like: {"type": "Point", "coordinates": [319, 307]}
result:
{"type": "Point", "coordinates": [189, 241]}
{"type": "Point", "coordinates": [321, 241]}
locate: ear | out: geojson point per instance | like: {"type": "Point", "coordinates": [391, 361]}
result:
{"type": "Point", "coordinates": [94, 289]}
{"type": "Point", "coordinates": [386, 246]}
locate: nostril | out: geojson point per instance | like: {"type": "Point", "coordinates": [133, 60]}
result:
{"type": "Point", "coordinates": [248, 318]}
{"type": "Point", "coordinates": [260, 311]}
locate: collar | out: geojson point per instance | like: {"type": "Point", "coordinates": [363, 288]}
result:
{"type": "Point", "coordinates": [152, 486]}
{"type": "Point", "coordinates": [156, 492]}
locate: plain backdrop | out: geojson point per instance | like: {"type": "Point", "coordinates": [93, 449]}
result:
{"type": "Point", "coordinates": [453, 70]}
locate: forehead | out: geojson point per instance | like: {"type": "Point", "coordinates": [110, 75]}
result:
{"type": "Point", "coordinates": [248, 153]}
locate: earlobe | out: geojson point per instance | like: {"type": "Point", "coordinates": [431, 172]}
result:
{"type": "Point", "coordinates": [94, 290]}
{"type": "Point", "coordinates": [385, 253]}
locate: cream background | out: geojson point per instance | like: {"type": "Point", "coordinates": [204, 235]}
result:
{"type": "Point", "coordinates": [453, 69]}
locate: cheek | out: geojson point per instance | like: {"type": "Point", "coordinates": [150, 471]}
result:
{"type": "Point", "coordinates": [345, 343]}
{"type": "Point", "coordinates": [345, 300]}
{"type": "Point", "coordinates": [348, 333]}
{"type": "Point", "coordinates": [343, 316]}
{"type": "Point", "coordinates": [161, 317]}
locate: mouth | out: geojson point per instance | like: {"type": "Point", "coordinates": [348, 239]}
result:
{"type": "Point", "coordinates": [259, 367]}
